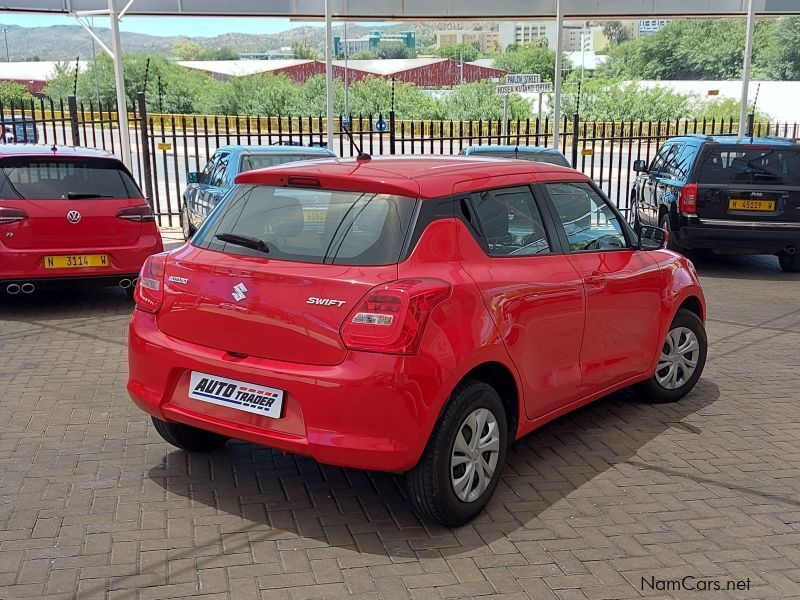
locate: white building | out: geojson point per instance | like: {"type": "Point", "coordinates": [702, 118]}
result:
{"type": "Point", "coordinates": [577, 35]}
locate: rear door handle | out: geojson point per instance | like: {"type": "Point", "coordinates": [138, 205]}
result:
{"type": "Point", "coordinates": [595, 279]}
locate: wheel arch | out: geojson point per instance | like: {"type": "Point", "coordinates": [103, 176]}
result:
{"type": "Point", "coordinates": [502, 379]}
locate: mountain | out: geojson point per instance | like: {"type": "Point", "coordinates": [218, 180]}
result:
{"type": "Point", "coordinates": [66, 42]}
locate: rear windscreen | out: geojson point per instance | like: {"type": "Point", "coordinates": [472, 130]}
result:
{"type": "Point", "coordinates": [39, 178]}
{"type": "Point", "coordinates": [312, 225]}
{"type": "Point", "coordinates": [542, 157]}
{"type": "Point", "coordinates": [762, 166]}
{"type": "Point", "coordinates": [250, 162]}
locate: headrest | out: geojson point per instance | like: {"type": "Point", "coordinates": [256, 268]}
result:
{"type": "Point", "coordinates": [494, 216]}
{"type": "Point", "coordinates": [285, 217]}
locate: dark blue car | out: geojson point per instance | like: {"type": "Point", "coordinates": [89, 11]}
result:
{"type": "Point", "coordinates": [723, 193]}
{"type": "Point", "coordinates": [206, 188]}
{"type": "Point", "coordinates": [534, 153]}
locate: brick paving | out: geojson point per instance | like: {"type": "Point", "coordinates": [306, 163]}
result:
{"type": "Point", "coordinates": [94, 505]}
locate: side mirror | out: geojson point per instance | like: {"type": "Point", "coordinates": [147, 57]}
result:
{"type": "Point", "coordinates": [653, 238]}
{"type": "Point", "coordinates": [193, 177]}
{"type": "Point", "coordinates": [639, 166]}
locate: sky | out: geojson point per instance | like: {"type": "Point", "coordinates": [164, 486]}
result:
{"type": "Point", "coordinates": [168, 26]}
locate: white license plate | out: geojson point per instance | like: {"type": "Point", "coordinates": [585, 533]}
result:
{"type": "Point", "coordinates": [239, 395]}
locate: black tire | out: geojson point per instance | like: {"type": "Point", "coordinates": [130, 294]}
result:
{"type": "Point", "coordinates": [187, 437]}
{"type": "Point", "coordinates": [789, 262]}
{"type": "Point", "coordinates": [429, 486]}
{"type": "Point", "coordinates": [636, 224]}
{"type": "Point", "coordinates": [651, 390]}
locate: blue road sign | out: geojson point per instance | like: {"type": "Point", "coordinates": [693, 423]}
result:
{"type": "Point", "coordinates": [380, 125]}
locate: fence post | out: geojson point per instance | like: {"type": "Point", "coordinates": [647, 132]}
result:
{"type": "Point", "coordinates": [391, 132]}
{"type": "Point", "coordinates": [72, 103]}
{"type": "Point", "coordinates": [575, 126]}
{"type": "Point", "coordinates": [750, 124]}
{"type": "Point", "coordinates": [145, 148]}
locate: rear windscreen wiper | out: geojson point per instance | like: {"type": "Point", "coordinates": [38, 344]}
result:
{"type": "Point", "coordinates": [243, 240]}
{"type": "Point", "coordinates": [84, 195]}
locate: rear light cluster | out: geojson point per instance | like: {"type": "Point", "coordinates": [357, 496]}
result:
{"type": "Point", "coordinates": [392, 316]}
{"type": "Point", "coordinates": [11, 215]}
{"type": "Point", "coordinates": [688, 200]}
{"type": "Point", "coordinates": [140, 214]}
{"type": "Point", "coordinates": [149, 292]}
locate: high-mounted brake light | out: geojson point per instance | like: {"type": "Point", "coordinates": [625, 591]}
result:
{"type": "Point", "coordinates": [392, 317]}
{"type": "Point", "coordinates": [688, 200]}
{"type": "Point", "coordinates": [149, 292]}
{"type": "Point", "coordinates": [11, 215]}
{"type": "Point", "coordinates": [139, 214]}
{"type": "Point", "coordinates": [303, 181]}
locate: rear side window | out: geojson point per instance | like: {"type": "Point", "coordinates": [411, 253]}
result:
{"type": "Point", "coordinates": [511, 222]}
{"type": "Point", "coordinates": [313, 225]}
{"type": "Point", "coordinates": [35, 178]}
{"type": "Point", "coordinates": [762, 166]}
{"type": "Point", "coordinates": [250, 162]}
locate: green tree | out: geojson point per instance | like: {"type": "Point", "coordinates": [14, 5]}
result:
{"type": "Point", "coordinates": [393, 50]}
{"type": "Point", "coordinates": [609, 100]}
{"type": "Point", "coordinates": [473, 101]}
{"type": "Point", "coordinates": [528, 58]}
{"type": "Point", "coordinates": [186, 50]}
{"type": "Point", "coordinates": [782, 55]}
{"type": "Point", "coordinates": [304, 51]}
{"type": "Point", "coordinates": [14, 93]}
{"type": "Point", "coordinates": [616, 32]}
{"type": "Point", "coordinates": [454, 51]}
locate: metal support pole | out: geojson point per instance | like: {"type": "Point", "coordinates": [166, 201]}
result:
{"type": "Point", "coordinates": [346, 76]}
{"type": "Point", "coordinates": [504, 126]}
{"type": "Point", "coordinates": [329, 72]}
{"type": "Point", "coordinates": [122, 104]}
{"type": "Point", "coordinates": [557, 83]}
{"type": "Point", "coordinates": [748, 55]}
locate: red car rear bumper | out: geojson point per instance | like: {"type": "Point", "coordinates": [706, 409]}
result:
{"type": "Point", "coordinates": [18, 265]}
{"type": "Point", "coordinates": [372, 411]}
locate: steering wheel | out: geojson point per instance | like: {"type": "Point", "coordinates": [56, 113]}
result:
{"type": "Point", "coordinates": [605, 242]}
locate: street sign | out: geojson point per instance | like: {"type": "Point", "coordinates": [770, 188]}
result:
{"type": "Point", "coordinates": [587, 152]}
{"type": "Point", "coordinates": [380, 125]}
{"type": "Point", "coordinates": [164, 146]}
{"type": "Point", "coordinates": [524, 78]}
{"type": "Point", "coordinates": [518, 88]}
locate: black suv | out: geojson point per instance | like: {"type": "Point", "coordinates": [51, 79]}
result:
{"type": "Point", "coordinates": [723, 193]}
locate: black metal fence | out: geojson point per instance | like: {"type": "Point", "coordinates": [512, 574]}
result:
{"type": "Point", "coordinates": [165, 147]}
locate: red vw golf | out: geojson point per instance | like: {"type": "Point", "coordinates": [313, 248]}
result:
{"type": "Point", "coordinates": [410, 315]}
{"type": "Point", "coordinates": [70, 213]}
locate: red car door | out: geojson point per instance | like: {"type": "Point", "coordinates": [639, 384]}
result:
{"type": "Point", "coordinates": [533, 293]}
{"type": "Point", "coordinates": [623, 287]}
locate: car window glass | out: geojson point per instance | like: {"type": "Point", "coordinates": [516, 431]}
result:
{"type": "Point", "coordinates": [683, 162]}
{"type": "Point", "coordinates": [588, 221]}
{"type": "Point", "coordinates": [764, 166]}
{"type": "Point", "coordinates": [251, 162]}
{"type": "Point", "coordinates": [313, 225]}
{"type": "Point", "coordinates": [218, 176]}
{"type": "Point", "coordinates": [44, 178]}
{"type": "Point", "coordinates": [658, 162]}
{"type": "Point", "coordinates": [670, 166]}
{"type": "Point", "coordinates": [205, 177]}
{"type": "Point", "coordinates": [511, 222]}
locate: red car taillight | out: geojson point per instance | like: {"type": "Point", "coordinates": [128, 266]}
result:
{"type": "Point", "coordinates": [688, 201]}
{"type": "Point", "coordinates": [150, 286]}
{"type": "Point", "coordinates": [11, 215]}
{"type": "Point", "coordinates": [392, 316]}
{"type": "Point", "coordinates": [139, 214]}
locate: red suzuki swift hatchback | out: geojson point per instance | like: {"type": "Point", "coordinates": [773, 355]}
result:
{"type": "Point", "coordinates": [410, 315]}
{"type": "Point", "coordinates": [69, 213]}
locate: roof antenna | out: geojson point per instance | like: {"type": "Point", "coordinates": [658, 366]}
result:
{"type": "Point", "coordinates": [755, 102]}
{"type": "Point", "coordinates": [361, 156]}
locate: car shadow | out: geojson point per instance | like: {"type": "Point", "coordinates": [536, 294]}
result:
{"type": "Point", "coordinates": [761, 268]}
{"type": "Point", "coordinates": [360, 512]}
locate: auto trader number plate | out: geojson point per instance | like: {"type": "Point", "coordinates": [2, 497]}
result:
{"type": "Point", "coordinates": [76, 261]}
{"type": "Point", "coordinates": [751, 205]}
{"type": "Point", "coordinates": [240, 395]}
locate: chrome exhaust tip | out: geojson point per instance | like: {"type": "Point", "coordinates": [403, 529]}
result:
{"type": "Point", "coordinates": [124, 283]}
{"type": "Point", "coordinates": [134, 281]}
{"type": "Point", "coordinates": [12, 289]}
{"type": "Point", "coordinates": [27, 288]}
